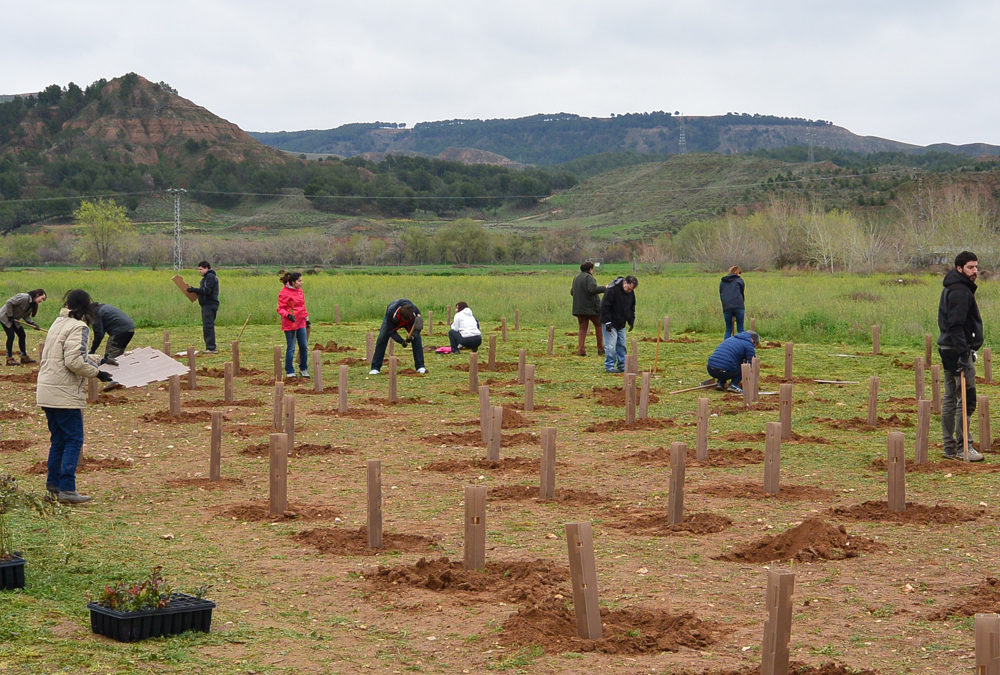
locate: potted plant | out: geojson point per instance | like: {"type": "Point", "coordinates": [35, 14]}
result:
{"type": "Point", "coordinates": [11, 562]}
{"type": "Point", "coordinates": [130, 611]}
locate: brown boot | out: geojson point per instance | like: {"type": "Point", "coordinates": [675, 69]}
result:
{"type": "Point", "coordinates": [27, 359]}
{"type": "Point", "coordinates": [11, 361]}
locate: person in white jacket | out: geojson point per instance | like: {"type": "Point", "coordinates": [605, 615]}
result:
{"type": "Point", "coordinates": [464, 333]}
{"type": "Point", "coordinates": [61, 391]}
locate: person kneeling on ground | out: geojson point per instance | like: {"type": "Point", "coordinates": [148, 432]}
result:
{"type": "Point", "coordinates": [464, 333]}
{"type": "Point", "coordinates": [400, 314]}
{"type": "Point", "coordinates": [62, 393]}
{"type": "Point", "coordinates": [724, 363]}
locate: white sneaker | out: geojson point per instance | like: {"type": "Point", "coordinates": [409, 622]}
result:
{"type": "Point", "coordinates": [421, 370]}
{"type": "Point", "coordinates": [373, 372]}
{"type": "Point", "coordinates": [289, 376]}
{"type": "Point", "coordinates": [304, 373]}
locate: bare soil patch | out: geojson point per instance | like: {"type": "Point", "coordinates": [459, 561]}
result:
{"type": "Point", "coordinates": [351, 361]}
{"type": "Point", "coordinates": [20, 378]}
{"type": "Point", "coordinates": [303, 450]}
{"type": "Point", "coordinates": [504, 465]}
{"type": "Point", "coordinates": [809, 541]}
{"type": "Point", "coordinates": [859, 424]}
{"type": "Point", "coordinates": [615, 396]}
{"type": "Point", "coordinates": [983, 598]}
{"type": "Point", "coordinates": [751, 490]}
{"type": "Point", "coordinates": [917, 514]}
{"type": "Point", "coordinates": [760, 436]}
{"type": "Point", "coordinates": [716, 457]}
{"type": "Point", "coordinates": [14, 445]}
{"type": "Point", "coordinates": [475, 438]}
{"type": "Point", "coordinates": [164, 417]}
{"type": "Point", "coordinates": [205, 483]}
{"type": "Point", "coordinates": [794, 668]}
{"type": "Point", "coordinates": [657, 522]}
{"type": "Point", "coordinates": [356, 413]}
{"type": "Point", "coordinates": [7, 415]}
{"type": "Point", "coordinates": [944, 466]}
{"type": "Point", "coordinates": [339, 541]}
{"type": "Point", "coordinates": [86, 464]}
{"type": "Point", "coordinates": [734, 404]}
{"type": "Point", "coordinates": [402, 400]}
{"type": "Point", "coordinates": [332, 346]}
{"type": "Point", "coordinates": [524, 493]}
{"type": "Point", "coordinates": [221, 372]}
{"type": "Point", "coordinates": [484, 366]}
{"type": "Point", "coordinates": [638, 425]}
{"type": "Point", "coordinates": [260, 511]}
{"type": "Point", "coordinates": [219, 403]}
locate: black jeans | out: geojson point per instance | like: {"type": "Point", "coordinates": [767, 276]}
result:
{"type": "Point", "coordinates": [15, 329]}
{"type": "Point", "coordinates": [117, 344]}
{"type": "Point", "coordinates": [734, 376]}
{"type": "Point", "coordinates": [208, 313]}
{"type": "Point", "coordinates": [472, 342]}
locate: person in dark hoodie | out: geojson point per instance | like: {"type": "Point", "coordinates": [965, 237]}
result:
{"type": "Point", "coordinates": [400, 314]}
{"type": "Point", "coordinates": [617, 311]}
{"type": "Point", "coordinates": [961, 335]}
{"type": "Point", "coordinates": [208, 298]}
{"type": "Point", "coordinates": [118, 326]}
{"type": "Point", "coordinates": [724, 363]}
{"type": "Point", "coordinates": [732, 292]}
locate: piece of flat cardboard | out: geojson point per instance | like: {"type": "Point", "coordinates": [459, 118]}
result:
{"type": "Point", "coordinates": [144, 365]}
{"type": "Point", "coordinates": [183, 285]}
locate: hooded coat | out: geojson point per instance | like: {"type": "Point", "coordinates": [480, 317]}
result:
{"type": "Point", "coordinates": [618, 307]}
{"type": "Point", "coordinates": [65, 366]}
{"type": "Point", "coordinates": [732, 292]}
{"type": "Point", "coordinates": [732, 352]}
{"type": "Point", "coordinates": [958, 315]}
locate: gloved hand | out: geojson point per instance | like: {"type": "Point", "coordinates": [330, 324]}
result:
{"type": "Point", "coordinates": [103, 376]}
{"type": "Point", "coordinates": [964, 363]}
{"type": "Point", "coordinates": [630, 327]}
{"type": "Point", "coordinates": [308, 323]}
{"type": "Point", "coordinates": [192, 289]}
{"type": "Point", "coordinates": [975, 357]}
{"type": "Point", "coordinates": [33, 325]}
{"type": "Point", "coordinates": [290, 316]}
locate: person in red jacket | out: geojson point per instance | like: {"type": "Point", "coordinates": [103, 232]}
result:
{"type": "Point", "coordinates": [294, 322]}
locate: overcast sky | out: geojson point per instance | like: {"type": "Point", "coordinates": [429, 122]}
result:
{"type": "Point", "coordinates": [916, 71]}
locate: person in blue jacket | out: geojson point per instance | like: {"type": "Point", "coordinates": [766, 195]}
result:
{"type": "Point", "coordinates": [732, 293]}
{"type": "Point", "coordinates": [724, 363]}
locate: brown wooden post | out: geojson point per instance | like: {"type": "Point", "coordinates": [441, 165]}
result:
{"type": "Point", "coordinates": [278, 493]}
{"type": "Point", "coordinates": [317, 371]}
{"type": "Point", "coordinates": [289, 419]}
{"type": "Point", "coordinates": [873, 401]}
{"type": "Point", "coordinates": [583, 572]}
{"type": "Point", "coordinates": [988, 365]}
{"type": "Point", "coordinates": [336, 313]}
{"type": "Point", "coordinates": [166, 342]}
{"type": "Point", "coordinates": [985, 437]}
{"type": "Point", "coordinates": [175, 395]}
{"type": "Point", "coordinates": [496, 425]}
{"type": "Point", "coordinates": [215, 447]}
{"type": "Point", "coordinates": [772, 458]}
{"type": "Point", "coordinates": [785, 410]}
{"type": "Point", "coordinates": [666, 329]}
{"type": "Point", "coordinates": [753, 323]}
{"type": "Point", "coordinates": [485, 419]}
{"type": "Point", "coordinates": [449, 315]}
{"type": "Point", "coordinates": [644, 395]}
{"type": "Point", "coordinates": [473, 372]}
{"type": "Point", "coordinates": [279, 368]}
{"type": "Point", "coordinates": [192, 378]}
{"type": "Point", "coordinates": [927, 351]}
{"type": "Point", "coordinates": [778, 627]}
{"type": "Point", "coordinates": [342, 390]}
{"type": "Point", "coordinates": [936, 388]}
{"type": "Point", "coordinates": [522, 359]}
{"type": "Point", "coordinates": [876, 344]}
{"type": "Point", "coordinates": [918, 378]}
{"type": "Point", "coordinates": [746, 375]}
{"type": "Point", "coordinates": [755, 374]}
{"type": "Point", "coordinates": [391, 351]}
{"type": "Point", "coordinates": [369, 346]}
{"type": "Point", "coordinates": [897, 472]}
{"type": "Point", "coordinates": [393, 377]}
{"type": "Point", "coordinates": [629, 398]}
{"type": "Point", "coordinates": [789, 354]}
{"type": "Point", "coordinates": [279, 399]}
{"type": "Point", "coordinates": [227, 378]}
{"type": "Point", "coordinates": [430, 322]}
{"type": "Point", "coordinates": [503, 329]}
{"type": "Point", "coordinates": [475, 527]}
{"type": "Point", "coordinates": [92, 395]}
{"type": "Point", "coordinates": [517, 319]}
{"type": "Point", "coordinates": [547, 489]}
{"type": "Point", "coordinates": [235, 349]}
{"type": "Point", "coordinates": [529, 387]}
{"type": "Point", "coordinates": [678, 460]}
{"type": "Point", "coordinates": [987, 631]}
{"type": "Point", "coordinates": [632, 363]}
{"type": "Point", "coordinates": [374, 503]}
{"type": "Point", "coordinates": [552, 339]}
{"type": "Point", "coordinates": [492, 364]}
{"type": "Point", "coordinates": [923, 432]}
{"type": "Point", "coordinates": [701, 449]}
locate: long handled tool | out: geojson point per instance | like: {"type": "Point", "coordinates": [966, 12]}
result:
{"type": "Point", "coordinates": [704, 385]}
{"type": "Point", "coordinates": [243, 329]}
{"type": "Point", "coordinates": [965, 420]}
{"type": "Point", "coordinates": [18, 321]}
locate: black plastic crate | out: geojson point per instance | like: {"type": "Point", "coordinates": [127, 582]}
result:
{"type": "Point", "coordinates": [183, 613]}
{"type": "Point", "coordinates": [12, 572]}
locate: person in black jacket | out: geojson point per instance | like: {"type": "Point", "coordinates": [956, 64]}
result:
{"type": "Point", "coordinates": [617, 311]}
{"type": "Point", "coordinates": [587, 307]}
{"type": "Point", "coordinates": [400, 314]}
{"type": "Point", "coordinates": [208, 298]}
{"type": "Point", "coordinates": [118, 326]}
{"type": "Point", "coordinates": [732, 292]}
{"type": "Point", "coordinates": [961, 335]}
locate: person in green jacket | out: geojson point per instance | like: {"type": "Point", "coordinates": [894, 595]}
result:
{"type": "Point", "coordinates": [587, 307]}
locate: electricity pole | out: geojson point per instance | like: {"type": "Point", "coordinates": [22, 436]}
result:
{"type": "Point", "coordinates": [176, 192]}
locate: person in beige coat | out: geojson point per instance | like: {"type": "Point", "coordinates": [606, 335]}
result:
{"type": "Point", "coordinates": [61, 391]}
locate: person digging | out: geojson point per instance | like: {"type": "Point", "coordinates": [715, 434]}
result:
{"type": "Point", "coordinates": [724, 363]}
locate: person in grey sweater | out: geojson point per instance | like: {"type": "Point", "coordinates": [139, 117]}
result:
{"type": "Point", "coordinates": [118, 326]}
{"type": "Point", "coordinates": [15, 314]}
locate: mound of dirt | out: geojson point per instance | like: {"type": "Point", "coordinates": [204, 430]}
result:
{"type": "Point", "coordinates": [475, 438]}
{"type": "Point", "coordinates": [257, 511]}
{"type": "Point", "coordinates": [523, 493]}
{"type": "Point", "coordinates": [615, 396]}
{"type": "Point", "coordinates": [794, 668]}
{"type": "Point", "coordinates": [716, 458]}
{"type": "Point", "coordinates": [7, 415]}
{"type": "Point", "coordinates": [86, 464]}
{"type": "Point", "coordinates": [331, 346]}
{"type": "Point", "coordinates": [248, 430]}
{"type": "Point", "coordinates": [859, 424]}
{"type": "Point", "coordinates": [511, 581]}
{"type": "Point", "coordinates": [946, 466]}
{"type": "Point", "coordinates": [303, 450]}
{"type": "Point", "coordinates": [164, 417]}
{"type": "Point", "coordinates": [638, 425]}
{"type": "Point", "coordinates": [734, 404]}
{"type": "Point", "coordinates": [356, 413]}
{"type": "Point", "coordinates": [552, 626]}
{"type": "Point", "coordinates": [751, 490]}
{"type": "Point", "coordinates": [656, 522]}
{"type": "Point", "coordinates": [503, 465]}
{"type": "Point", "coordinates": [350, 361]}
{"type": "Point", "coordinates": [984, 598]}
{"type": "Point", "coordinates": [918, 514]}
{"type": "Point", "coordinates": [809, 541]}
{"type": "Point", "coordinates": [402, 400]}
{"type": "Point", "coordinates": [205, 483]}
{"type": "Point", "coordinates": [111, 399]}
{"type": "Point", "coordinates": [205, 403]}
{"type": "Point", "coordinates": [498, 367]}
{"type": "Point", "coordinates": [338, 541]}
{"type": "Point", "coordinates": [21, 378]}
{"type": "Point", "coordinates": [14, 445]}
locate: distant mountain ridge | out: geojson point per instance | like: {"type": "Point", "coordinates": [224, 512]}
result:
{"type": "Point", "coordinates": [548, 139]}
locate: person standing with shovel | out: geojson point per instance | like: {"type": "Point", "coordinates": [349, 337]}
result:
{"type": "Point", "coordinates": [961, 335]}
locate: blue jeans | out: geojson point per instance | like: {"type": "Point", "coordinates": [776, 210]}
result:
{"type": "Point", "coordinates": [731, 314]}
{"type": "Point", "coordinates": [291, 337]}
{"type": "Point", "coordinates": [614, 348]}
{"type": "Point", "coordinates": [66, 429]}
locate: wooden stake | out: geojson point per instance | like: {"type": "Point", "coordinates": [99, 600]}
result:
{"type": "Point", "coordinates": [517, 319]}
{"type": "Point", "coordinates": [496, 424]}
{"type": "Point", "coordinates": [475, 527]}
{"type": "Point", "coordinates": [873, 401]}
{"type": "Point", "coordinates": [778, 627]}
{"type": "Point", "coordinates": [393, 377]}
{"type": "Point", "coordinates": [278, 494]}
{"type": "Point", "coordinates": [192, 378]}
{"type": "Point", "coordinates": [503, 328]}
{"type": "Point", "coordinates": [449, 315]}
{"type": "Point", "coordinates": [529, 387]}
{"type": "Point", "coordinates": [897, 472]}
{"type": "Point", "coordinates": [789, 353]}
{"type": "Point", "coordinates": [656, 359]}
{"type": "Point", "coordinates": [675, 505]}
{"type": "Point", "coordinates": [317, 371]}
{"type": "Point", "coordinates": [547, 489]}
{"type": "Point", "coordinates": [374, 503]}
{"type": "Point", "coordinates": [755, 374]}
{"type": "Point", "coordinates": [772, 458]}
{"type": "Point", "coordinates": [166, 349]}
{"type": "Point", "coordinates": [279, 369]}
{"type": "Point", "coordinates": [632, 363]}
{"type": "Point", "coordinates": [988, 365]}
{"type": "Point", "coordinates": [666, 329]}
{"type": "Point", "coordinates": [430, 322]}
{"type": "Point", "coordinates": [336, 314]}
{"type": "Point", "coordinates": [629, 398]}
{"type": "Point", "coordinates": [583, 572]}
{"type": "Point", "coordinates": [985, 437]}
{"type": "Point", "coordinates": [522, 359]}
{"type": "Point", "coordinates": [235, 350]}
{"type": "Point", "coordinates": [876, 346]}
{"type": "Point", "coordinates": [987, 628]}
{"type": "Point", "coordinates": [936, 388]}
{"type": "Point", "coordinates": [473, 372]}
{"type": "Point", "coordinates": [923, 432]}
{"type": "Point", "coordinates": [92, 395]}
{"type": "Point", "coordinates": [485, 418]}
{"type": "Point", "coordinates": [918, 378]}
{"type": "Point", "coordinates": [279, 399]}
{"type": "Point", "coordinates": [785, 410]}
{"type": "Point", "coordinates": [289, 419]}
{"type": "Point", "coordinates": [342, 390]}
{"type": "Point", "coordinates": [644, 396]}
{"type": "Point", "coordinates": [227, 387]}
{"type": "Point", "coordinates": [701, 448]}
{"type": "Point", "coordinates": [369, 347]}
{"type": "Point", "coordinates": [492, 364]}
{"type": "Point", "coordinates": [927, 351]}
{"type": "Point", "coordinates": [215, 448]}
{"type": "Point", "coordinates": [753, 323]}
{"type": "Point", "coordinates": [175, 395]}
{"type": "Point", "coordinates": [552, 339]}
{"type": "Point", "coordinates": [166, 342]}
{"type": "Point", "coordinates": [392, 348]}
{"type": "Point", "coordinates": [746, 376]}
